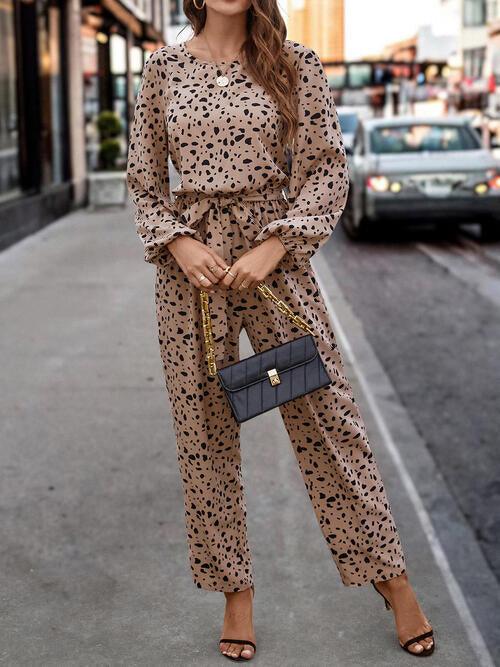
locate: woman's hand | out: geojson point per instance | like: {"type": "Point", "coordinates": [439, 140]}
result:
{"type": "Point", "coordinates": [255, 265]}
{"type": "Point", "coordinates": [197, 259]}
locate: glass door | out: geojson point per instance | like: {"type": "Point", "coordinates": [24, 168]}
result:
{"type": "Point", "coordinates": [51, 95]}
{"type": "Point", "coordinates": [9, 135]}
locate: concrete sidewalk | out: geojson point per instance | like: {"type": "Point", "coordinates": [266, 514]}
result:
{"type": "Point", "coordinates": [94, 567]}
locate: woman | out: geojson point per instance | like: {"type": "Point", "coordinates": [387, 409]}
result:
{"type": "Point", "coordinates": [225, 105]}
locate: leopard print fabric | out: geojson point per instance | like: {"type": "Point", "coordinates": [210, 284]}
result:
{"type": "Point", "coordinates": [223, 143]}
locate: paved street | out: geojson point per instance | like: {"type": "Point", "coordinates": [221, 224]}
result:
{"type": "Point", "coordinates": [93, 554]}
{"type": "Point", "coordinates": [437, 300]}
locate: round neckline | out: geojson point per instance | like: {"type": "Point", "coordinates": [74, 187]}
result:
{"type": "Point", "coordinates": [206, 62]}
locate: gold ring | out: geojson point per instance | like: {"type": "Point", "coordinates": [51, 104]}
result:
{"type": "Point", "coordinates": [231, 274]}
{"type": "Point", "coordinates": [202, 277]}
{"type": "Point", "coordinates": [244, 284]}
{"type": "Point", "coordinates": [212, 267]}
{"type": "Point", "coordinates": [226, 270]}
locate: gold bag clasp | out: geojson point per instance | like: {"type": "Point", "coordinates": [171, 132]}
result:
{"type": "Point", "coordinates": [273, 376]}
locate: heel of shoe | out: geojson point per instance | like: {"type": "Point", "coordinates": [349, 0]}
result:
{"type": "Point", "coordinates": [386, 601]}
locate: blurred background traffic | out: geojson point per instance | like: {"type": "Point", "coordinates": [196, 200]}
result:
{"type": "Point", "coordinates": [70, 72]}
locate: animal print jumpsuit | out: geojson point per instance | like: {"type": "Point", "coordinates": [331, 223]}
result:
{"type": "Point", "coordinates": [223, 143]}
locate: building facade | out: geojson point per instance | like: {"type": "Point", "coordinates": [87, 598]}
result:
{"type": "Point", "coordinates": [116, 39]}
{"type": "Point", "coordinates": [480, 53]}
{"type": "Point", "coordinates": [64, 61]}
{"type": "Point", "coordinates": [474, 37]}
{"type": "Point", "coordinates": [318, 24]}
{"type": "Point", "coordinates": [493, 58]}
{"type": "Point", "coordinates": [35, 164]}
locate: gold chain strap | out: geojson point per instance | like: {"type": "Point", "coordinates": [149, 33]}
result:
{"type": "Point", "coordinates": [207, 334]}
{"type": "Point", "coordinates": [266, 291]}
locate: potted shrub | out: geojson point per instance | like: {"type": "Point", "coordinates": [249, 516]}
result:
{"type": "Point", "coordinates": [107, 185]}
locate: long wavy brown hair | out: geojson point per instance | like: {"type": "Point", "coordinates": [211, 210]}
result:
{"type": "Point", "coordinates": [264, 57]}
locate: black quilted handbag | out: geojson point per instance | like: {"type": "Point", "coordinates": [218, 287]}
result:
{"type": "Point", "coordinates": [269, 378]}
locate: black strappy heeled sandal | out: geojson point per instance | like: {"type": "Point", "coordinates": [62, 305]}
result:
{"type": "Point", "coordinates": [425, 635]}
{"type": "Point", "coordinates": [239, 641]}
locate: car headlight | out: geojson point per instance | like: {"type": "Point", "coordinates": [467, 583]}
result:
{"type": "Point", "coordinates": [377, 183]}
{"type": "Point", "coordinates": [493, 179]}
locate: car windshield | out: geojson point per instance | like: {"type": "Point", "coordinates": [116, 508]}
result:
{"type": "Point", "coordinates": [417, 138]}
{"type": "Point", "coordinates": [348, 122]}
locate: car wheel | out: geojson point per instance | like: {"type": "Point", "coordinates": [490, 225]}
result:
{"type": "Point", "coordinates": [490, 230]}
{"type": "Point", "coordinates": [354, 222]}
{"type": "Point", "coordinates": [447, 228]}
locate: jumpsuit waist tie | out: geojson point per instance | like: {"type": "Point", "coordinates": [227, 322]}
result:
{"type": "Point", "coordinates": [216, 211]}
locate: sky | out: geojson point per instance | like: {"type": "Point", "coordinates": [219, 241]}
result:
{"type": "Point", "coordinates": [371, 24]}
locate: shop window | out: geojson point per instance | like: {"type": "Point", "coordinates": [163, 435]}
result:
{"type": "Point", "coordinates": [52, 111]}
{"type": "Point", "coordinates": [137, 64]}
{"type": "Point", "coordinates": [177, 16]}
{"type": "Point", "coordinates": [90, 93]}
{"type": "Point", "coordinates": [474, 62]}
{"type": "Point", "coordinates": [493, 8]}
{"type": "Point", "coordinates": [118, 67]}
{"type": "Point", "coordinates": [474, 12]}
{"type": "Point", "coordinates": [9, 152]}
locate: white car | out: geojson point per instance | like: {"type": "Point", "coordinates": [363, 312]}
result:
{"type": "Point", "coordinates": [421, 169]}
{"type": "Point", "coordinates": [349, 118]}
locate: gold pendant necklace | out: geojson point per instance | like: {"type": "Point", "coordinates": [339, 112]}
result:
{"type": "Point", "coordinates": [222, 79]}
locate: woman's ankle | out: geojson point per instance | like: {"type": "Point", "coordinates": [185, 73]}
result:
{"type": "Point", "coordinates": [233, 595]}
{"type": "Point", "coordinates": [395, 583]}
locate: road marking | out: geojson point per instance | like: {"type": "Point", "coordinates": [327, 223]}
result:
{"type": "Point", "coordinates": [474, 636]}
{"type": "Point", "coordinates": [489, 253]}
{"type": "Point", "coordinates": [490, 250]}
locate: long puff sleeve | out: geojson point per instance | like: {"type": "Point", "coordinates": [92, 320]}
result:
{"type": "Point", "coordinates": [319, 181]}
{"type": "Point", "coordinates": [156, 221]}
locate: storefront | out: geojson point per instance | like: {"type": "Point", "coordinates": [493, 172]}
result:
{"type": "Point", "coordinates": [493, 71]}
{"type": "Point", "coordinates": [115, 46]}
{"type": "Point", "coordinates": [34, 167]}
{"type": "Point", "coordinates": [9, 150]}
{"type": "Point", "coordinates": [62, 63]}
